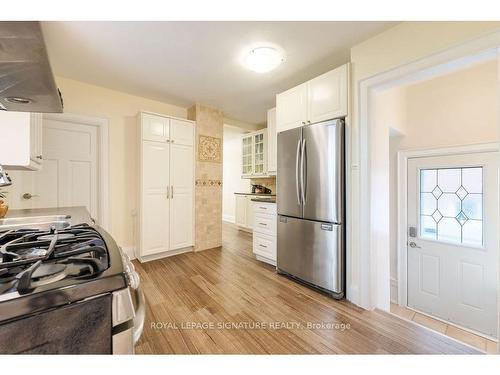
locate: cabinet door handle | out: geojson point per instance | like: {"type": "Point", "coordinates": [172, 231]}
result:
{"type": "Point", "coordinates": [264, 246]}
{"type": "Point", "coordinates": [39, 157]}
{"type": "Point", "coordinates": [264, 208]}
{"type": "Point", "coordinates": [172, 191]}
{"type": "Point", "coordinates": [168, 192]}
{"type": "Point", "coordinates": [263, 224]}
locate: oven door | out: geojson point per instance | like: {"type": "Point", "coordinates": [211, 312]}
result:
{"type": "Point", "coordinates": [78, 328]}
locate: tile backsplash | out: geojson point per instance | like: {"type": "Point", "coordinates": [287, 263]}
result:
{"type": "Point", "coordinates": [267, 182]}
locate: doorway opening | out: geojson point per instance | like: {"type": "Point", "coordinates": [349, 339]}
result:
{"type": "Point", "coordinates": [437, 267]}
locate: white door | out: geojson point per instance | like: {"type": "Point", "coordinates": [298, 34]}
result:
{"type": "Point", "coordinates": [453, 241]}
{"type": "Point", "coordinates": [68, 176]}
{"type": "Point", "coordinates": [249, 211]}
{"type": "Point", "coordinates": [155, 198]}
{"type": "Point", "coordinates": [181, 193]}
{"type": "Point", "coordinates": [291, 108]}
{"type": "Point", "coordinates": [327, 95]}
{"type": "Point", "coordinates": [241, 210]}
{"type": "Point", "coordinates": [246, 156]}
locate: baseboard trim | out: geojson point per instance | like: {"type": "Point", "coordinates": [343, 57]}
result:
{"type": "Point", "coordinates": [229, 218]}
{"type": "Point", "coordinates": [148, 258]}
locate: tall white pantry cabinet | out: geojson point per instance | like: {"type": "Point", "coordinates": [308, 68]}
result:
{"type": "Point", "coordinates": [166, 188]}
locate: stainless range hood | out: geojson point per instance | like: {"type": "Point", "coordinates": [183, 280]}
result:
{"type": "Point", "coordinates": [26, 80]}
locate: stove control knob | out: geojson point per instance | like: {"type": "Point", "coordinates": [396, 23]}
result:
{"type": "Point", "coordinates": [133, 279]}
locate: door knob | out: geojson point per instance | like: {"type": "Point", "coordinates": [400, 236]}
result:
{"type": "Point", "coordinates": [413, 245]}
{"type": "Point", "coordinates": [29, 195]}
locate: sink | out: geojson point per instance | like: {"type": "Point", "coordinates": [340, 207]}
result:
{"type": "Point", "coordinates": [36, 222]}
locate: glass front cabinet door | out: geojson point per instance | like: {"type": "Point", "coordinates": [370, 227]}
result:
{"type": "Point", "coordinates": [253, 154]}
{"type": "Point", "coordinates": [246, 156]}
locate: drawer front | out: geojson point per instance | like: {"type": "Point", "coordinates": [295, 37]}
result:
{"type": "Point", "coordinates": [264, 208]}
{"type": "Point", "coordinates": [264, 246]}
{"type": "Point", "coordinates": [265, 224]}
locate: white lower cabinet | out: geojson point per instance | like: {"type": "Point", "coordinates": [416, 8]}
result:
{"type": "Point", "coordinates": [166, 191]}
{"type": "Point", "coordinates": [265, 232]}
{"type": "Point", "coordinates": [244, 215]}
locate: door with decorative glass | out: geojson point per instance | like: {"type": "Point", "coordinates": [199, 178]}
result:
{"type": "Point", "coordinates": [453, 239]}
{"type": "Point", "coordinates": [246, 156]}
{"type": "Point", "coordinates": [259, 153]}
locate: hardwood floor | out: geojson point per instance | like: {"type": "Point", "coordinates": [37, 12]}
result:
{"type": "Point", "coordinates": [223, 301]}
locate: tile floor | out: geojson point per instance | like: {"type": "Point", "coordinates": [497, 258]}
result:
{"type": "Point", "coordinates": [476, 341]}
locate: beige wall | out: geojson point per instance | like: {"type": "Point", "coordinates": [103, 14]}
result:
{"type": "Point", "coordinates": [120, 110]}
{"type": "Point", "coordinates": [402, 44]}
{"type": "Point", "coordinates": [459, 108]}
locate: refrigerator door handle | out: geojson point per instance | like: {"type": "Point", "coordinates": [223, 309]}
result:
{"type": "Point", "coordinates": [297, 188]}
{"type": "Point", "coordinates": [303, 172]}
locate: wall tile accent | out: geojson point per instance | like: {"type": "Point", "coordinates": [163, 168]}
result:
{"type": "Point", "coordinates": [208, 186]}
{"type": "Point", "coordinates": [209, 149]}
{"type": "Point", "coordinates": [209, 183]}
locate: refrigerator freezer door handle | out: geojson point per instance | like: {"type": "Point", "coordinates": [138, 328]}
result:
{"type": "Point", "coordinates": [297, 173]}
{"type": "Point", "coordinates": [303, 171]}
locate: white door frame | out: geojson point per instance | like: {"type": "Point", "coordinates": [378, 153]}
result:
{"type": "Point", "coordinates": [402, 202]}
{"type": "Point", "coordinates": [451, 59]}
{"type": "Point", "coordinates": [102, 125]}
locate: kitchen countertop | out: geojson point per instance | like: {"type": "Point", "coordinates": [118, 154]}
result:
{"type": "Point", "coordinates": [267, 195]}
{"type": "Point", "coordinates": [264, 200]}
{"type": "Point", "coordinates": [78, 214]}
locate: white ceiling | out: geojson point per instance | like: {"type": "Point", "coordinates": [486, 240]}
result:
{"type": "Point", "coordinates": [187, 62]}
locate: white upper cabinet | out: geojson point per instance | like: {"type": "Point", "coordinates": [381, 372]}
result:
{"type": "Point", "coordinates": [181, 132]}
{"type": "Point", "coordinates": [328, 95]}
{"type": "Point", "coordinates": [155, 128]}
{"type": "Point", "coordinates": [254, 154]}
{"type": "Point", "coordinates": [246, 156]}
{"type": "Point", "coordinates": [272, 139]}
{"type": "Point", "coordinates": [291, 108]}
{"type": "Point", "coordinates": [322, 98]}
{"type": "Point", "coordinates": [21, 135]}
{"type": "Point", "coordinates": [259, 153]}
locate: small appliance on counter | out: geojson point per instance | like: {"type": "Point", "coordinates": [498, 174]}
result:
{"type": "Point", "coordinates": [68, 291]}
{"type": "Point", "coordinates": [259, 189]}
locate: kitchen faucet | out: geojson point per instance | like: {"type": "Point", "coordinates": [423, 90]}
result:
{"type": "Point", "coordinates": [4, 178]}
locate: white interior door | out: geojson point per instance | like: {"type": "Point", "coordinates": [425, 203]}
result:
{"type": "Point", "coordinates": [68, 176]}
{"type": "Point", "coordinates": [453, 241]}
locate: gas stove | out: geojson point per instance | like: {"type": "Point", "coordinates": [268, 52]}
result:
{"type": "Point", "coordinates": [34, 258]}
{"type": "Point", "coordinates": [65, 273]}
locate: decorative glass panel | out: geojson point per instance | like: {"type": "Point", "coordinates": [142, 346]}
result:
{"type": "Point", "coordinates": [451, 205]}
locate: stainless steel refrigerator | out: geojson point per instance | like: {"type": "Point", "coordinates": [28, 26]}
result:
{"type": "Point", "coordinates": [310, 198]}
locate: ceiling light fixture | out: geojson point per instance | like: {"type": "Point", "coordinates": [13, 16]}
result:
{"type": "Point", "coordinates": [263, 59]}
